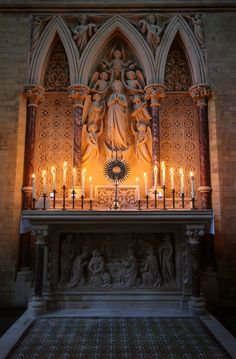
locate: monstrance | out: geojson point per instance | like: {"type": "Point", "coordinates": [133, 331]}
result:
{"type": "Point", "coordinates": [116, 171]}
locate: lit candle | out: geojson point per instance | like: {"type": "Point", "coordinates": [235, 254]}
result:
{"type": "Point", "coordinates": [181, 180]}
{"type": "Point", "coordinates": [73, 179]}
{"type": "Point", "coordinates": [163, 173]}
{"type": "Point", "coordinates": [90, 188]}
{"type": "Point", "coordinates": [145, 183]}
{"type": "Point", "coordinates": [64, 173]}
{"type": "Point", "coordinates": [33, 186]}
{"type": "Point", "coordinates": [172, 178]}
{"type": "Point", "coordinates": [54, 178]}
{"type": "Point", "coordinates": [44, 175]}
{"type": "Point", "coordinates": [138, 189]}
{"type": "Point", "coordinates": [192, 184]}
{"type": "Point", "coordinates": [83, 181]}
{"type": "Point", "coordinates": [155, 177]}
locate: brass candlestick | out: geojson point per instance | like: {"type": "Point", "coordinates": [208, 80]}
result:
{"type": "Point", "coordinates": [173, 198]}
{"type": "Point", "coordinates": [82, 201]}
{"type": "Point", "coordinates": [90, 204]}
{"type": "Point", "coordinates": [139, 204]}
{"type": "Point", "coordinates": [182, 197]}
{"type": "Point", "coordinates": [164, 196]}
{"type": "Point", "coordinates": [155, 194]}
{"type": "Point", "coordinates": [44, 201]}
{"type": "Point", "coordinates": [54, 198]}
{"type": "Point", "coordinates": [64, 197]}
{"type": "Point", "coordinates": [193, 203]}
{"type": "Point", "coordinates": [33, 203]}
{"type": "Point", "coordinates": [147, 201]}
{"type": "Point", "coordinates": [73, 199]}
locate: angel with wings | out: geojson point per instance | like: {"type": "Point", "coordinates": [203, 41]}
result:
{"type": "Point", "coordinates": [134, 81]}
{"type": "Point", "coordinates": [94, 109]}
{"type": "Point", "coordinates": [117, 64]}
{"type": "Point", "coordinates": [143, 141]}
{"type": "Point", "coordinates": [90, 137]}
{"type": "Point", "coordinates": [152, 30]}
{"type": "Point", "coordinates": [83, 32]}
{"type": "Point", "coordinates": [99, 82]}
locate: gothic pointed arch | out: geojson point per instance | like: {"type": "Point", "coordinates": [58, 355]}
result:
{"type": "Point", "coordinates": [56, 27]}
{"type": "Point", "coordinates": [178, 26]}
{"type": "Point", "coordinates": [117, 26]}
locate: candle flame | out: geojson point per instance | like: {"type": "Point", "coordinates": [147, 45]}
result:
{"type": "Point", "coordinates": [171, 171]}
{"type": "Point", "coordinates": [74, 171]}
{"type": "Point", "coordinates": [84, 172]}
{"type": "Point", "coordinates": [33, 176]}
{"type": "Point", "coordinates": [155, 169]}
{"type": "Point", "coordinates": [90, 179]}
{"type": "Point", "coordinates": [53, 169]}
{"type": "Point", "coordinates": [44, 173]}
{"type": "Point", "coordinates": [137, 179]}
{"type": "Point", "coordinates": [162, 164]}
{"type": "Point", "coordinates": [145, 175]}
{"type": "Point", "coordinates": [191, 174]}
{"type": "Point", "coordinates": [181, 171]}
{"type": "Point", "coordinates": [65, 165]}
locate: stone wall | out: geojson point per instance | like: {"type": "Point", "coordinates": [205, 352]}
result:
{"type": "Point", "coordinates": [221, 59]}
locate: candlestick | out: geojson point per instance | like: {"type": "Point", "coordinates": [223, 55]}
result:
{"type": "Point", "coordinates": [53, 178]}
{"type": "Point", "coordinates": [164, 197]}
{"type": "Point", "coordinates": [182, 197]}
{"type": "Point", "coordinates": [73, 178]}
{"type": "Point", "coordinates": [181, 180]}
{"type": "Point", "coordinates": [90, 188]}
{"type": "Point", "coordinates": [138, 189]}
{"type": "Point", "coordinates": [64, 197]}
{"type": "Point", "coordinates": [83, 181]}
{"type": "Point", "coordinates": [44, 175]}
{"type": "Point", "coordinates": [147, 201]}
{"type": "Point", "coordinates": [73, 199]}
{"type": "Point", "coordinates": [163, 173]}
{"type": "Point", "coordinates": [155, 199]}
{"type": "Point", "coordinates": [173, 197]}
{"type": "Point", "coordinates": [82, 201]}
{"type": "Point", "coordinates": [54, 198]}
{"type": "Point", "coordinates": [155, 177]}
{"type": "Point", "coordinates": [192, 185]}
{"type": "Point", "coordinates": [64, 173]}
{"type": "Point", "coordinates": [44, 201]}
{"type": "Point", "coordinates": [33, 187]}
{"type": "Point", "coordinates": [172, 179]}
{"type": "Point", "coordinates": [145, 183]}
{"type": "Point", "coordinates": [90, 204]}
{"type": "Point", "coordinates": [139, 204]}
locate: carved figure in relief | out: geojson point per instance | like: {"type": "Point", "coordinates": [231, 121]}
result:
{"type": "Point", "coordinates": [150, 270]}
{"type": "Point", "coordinates": [78, 270]}
{"type": "Point", "coordinates": [130, 275]}
{"type": "Point", "coordinates": [99, 82]}
{"type": "Point", "coordinates": [133, 83]}
{"type": "Point", "coordinates": [196, 20]}
{"type": "Point", "coordinates": [83, 32]}
{"type": "Point", "coordinates": [96, 266]}
{"type": "Point", "coordinates": [166, 258]}
{"type": "Point", "coordinates": [140, 113]}
{"type": "Point", "coordinates": [117, 63]}
{"type": "Point", "coordinates": [143, 141]}
{"type": "Point", "coordinates": [152, 30]}
{"type": "Point", "coordinates": [37, 28]}
{"type": "Point", "coordinates": [117, 119]}
{"type": "Point", "coordinates": [66, 256]}
{"type": "Point", "coordinates": [94, 109]}
{"type": "Point", "coordinates": [90, 147]}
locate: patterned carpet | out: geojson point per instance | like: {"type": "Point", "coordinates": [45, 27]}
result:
{"type": "Point", "coordinates": [118, 338]}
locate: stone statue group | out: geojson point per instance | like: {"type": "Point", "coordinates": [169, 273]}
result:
{"type": "Point", "coordinates": [151, 269]}
{"type": "Point", "coordinates": [116, 108]}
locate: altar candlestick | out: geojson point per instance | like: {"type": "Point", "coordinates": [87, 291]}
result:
{"type": "Point", "coordinates": [73, 179]}
{"type": "Point", "coordinates": [192, 185]}
{"type": "Point", "coordinates": [181, 180]}
{"type": "Point", "coordinates": [44, 175]}
{"type": "Point", "coordinates": [33, 186]}
{"type": "Point", "coordinates": [64, 173]}
{"type": "Point", "coordinates": [90, 188]}
{"type": "Point", "coordinates": [53, 178]}
{"type": "Point", "coordinates": [138, 189]}
{"type": "Point", "coordinates": [172, 179]}
{"type": "Point", "coordinates": [83, 181]}
{"type": "Point", "coordinates": [163, 172]}
{"type": "Point", "coordinates": [155, 177]}
{"type": "Point", "coordinates": [145, 183]}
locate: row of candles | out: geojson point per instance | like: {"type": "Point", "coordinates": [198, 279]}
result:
{"type": "Point", "coordinates": [145, 177]}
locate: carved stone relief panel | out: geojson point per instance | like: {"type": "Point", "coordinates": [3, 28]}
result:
{"type": "Point", "coordinates": [57, 76]}
{"type": "Point", "coordinates": [54, 139]}
{"type": "Point", "coordinates": [179, 138]}
{"type": "Point", "coordinates": [113, 260]}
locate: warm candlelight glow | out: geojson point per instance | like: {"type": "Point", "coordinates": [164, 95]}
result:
{"type": "Point", "coordinates": [172, 178]}
{"type": "Point", "coordinates": [83, 181]}
{"type": "Point", "coordinates": [145, 183]}
{"type": "Point", "coordinates": [33, 186]}
{"type": "Point", "coordinates": [181, 180]}
{"type": "Point", "coordinates": [44, 175]}
{"type": "Point", "coordinates": [138, 189]}
{"type": "Point", "coordinates": [53, 178]}
{"type": "Point", "coordinates": [155, 177]}
{"type": "Point", "coordinates": [64, 173]}
{"type": "Point", "coordinates": [192, 185]}
{"type": "Point", "coordinates": [73, 179]}
{"type": "Point", "coordinates": [90, 188]}
{"type": "Point", "coordinates": [163, 172]}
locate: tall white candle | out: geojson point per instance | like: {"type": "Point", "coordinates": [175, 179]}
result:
{"type": "Point", "coordinates": [163, 172]}
{"type": "Point", "coordinates": [73, 179]}
{"type": "Point", "coordinates": [192, 185]}
{"type": "Point", "coordinates": [90, 188]}
{"type": "Point", "coordinates": [53, 178]}
{"type": "Point", "coordinates": [172, 179]}
{"type": "Point", "coordinates": [44, 175]}
{"type": "Point", "coordinates": [33, 186]}
{"type": "Point", "coordinates": [181, 180]}
{"type": "Point", "coordinates": [155, 177]}
{"type": "Point", "coordinates": [83, 181]}
{"type": "Point", "coordinates": [145, 183]}
{"type": "Point", "coordinates": [64, 173]}
{"type": "Point", "coordinates": [138, 189]}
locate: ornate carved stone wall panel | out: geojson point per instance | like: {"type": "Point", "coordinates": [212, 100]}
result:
{"type": "Point", "coordinates": [179, 138]}
{"type": "Point", "coordinates": [54, 139]}
{"type": "Point", "coordinates": [177, 73]}
{"type": "Point", "coordinates": [116, 260]}
{"type": "Point", "coordinates": [57, 76]}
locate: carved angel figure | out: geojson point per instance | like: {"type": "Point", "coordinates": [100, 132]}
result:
{"type": "Point", "coordinates": [83, 32]}
{"type": "Point", "coordinates": [143, 141]}
{"type": "Point", "coordinates": [152, 30]}
{"type": "Point", "coordinates": [99, 82]}
{"type": "Point", "coordinates": [134, 81]}
{"type": "Point", "coordinates": [140, 113]}
{"type": "Point", "coordinates": [94, 109]}
{"type": "Point", "coordinates": [117, 64]}
{"type": "Point", "coordinates": [90, 137]}
{"type": "Point", "coordinates": [37, 28]}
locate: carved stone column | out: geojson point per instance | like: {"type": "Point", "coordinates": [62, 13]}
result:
{"type": "Point", "coordinates": [194, 232]}
{"type": "Point", "coordinates": [155, 93]}
{"type": "Point", "coordinates": [199, 94]}
{"type": "Point", "coordinates": [34, 94]}
{"type": "Point", "coordinates": [78, 94]}
{"type": "Point", "coordinates": [37, 304]}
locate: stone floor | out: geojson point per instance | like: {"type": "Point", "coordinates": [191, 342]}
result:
{"type": "Point", "coordinates": [117, 338]}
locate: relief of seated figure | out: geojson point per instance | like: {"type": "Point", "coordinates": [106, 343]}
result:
{"type": "Point", "coordinates": [130, 275]}
{"type": "Point", "coordinates": [98, 276]}
{"type": "Point", "coordinates": [78, 270]}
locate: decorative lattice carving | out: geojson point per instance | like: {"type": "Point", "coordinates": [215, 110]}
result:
{"type": "Point", "coordinates": [54, 139]}
{"type": "Point", "coordinates": [57, 77]}
{"type": "Point", "coordinates": [126, 196]}
{"type": "Point", "coordinates": [179, 127]}
{"type": "Point", "coordinates": [177, 73]}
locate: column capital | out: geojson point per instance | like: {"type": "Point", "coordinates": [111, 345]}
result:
{"type": "Point", "coordinates": [78, 94]}
{"type": "Point", "coordinates": [40, 233]}
{"type": "Point", "coordinates": [199, 93]}
{"type": "Point", "coordinates": [194, 232]}
{"type": "Point", "coordinates": [156, 93]}
{"type": "Point", "coordinates": [34, 94]}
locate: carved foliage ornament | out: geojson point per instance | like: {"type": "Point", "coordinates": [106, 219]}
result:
{"type": "Point", "coordinates": [198, 92]}
{"type": "Point", "coordinates": [34, 94]}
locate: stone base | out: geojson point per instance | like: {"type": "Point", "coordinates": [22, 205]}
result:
{"type": "Point", "coordinates": [23, 287]}
{"type": "Point", "coordinates": [37, 306]}
{"type": "Point", "coordinates": [210, 287]}
{"type": "Point", "coordinates": [197, 306]}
